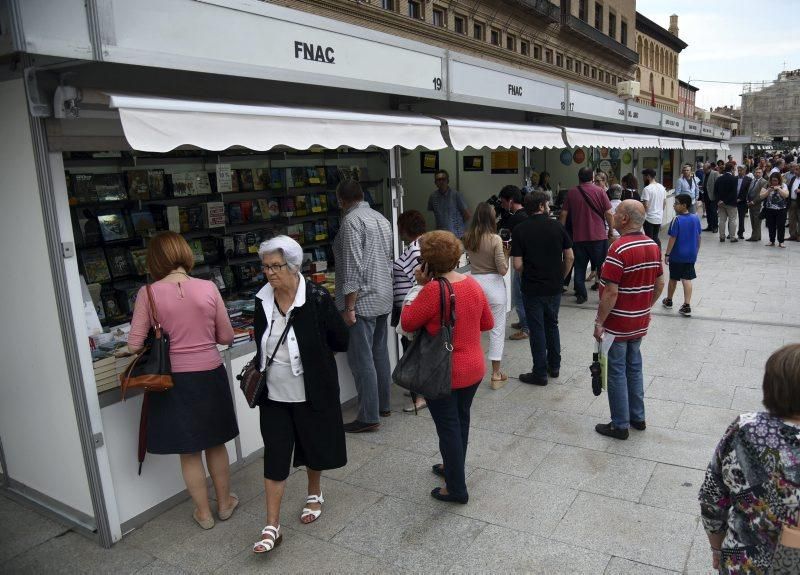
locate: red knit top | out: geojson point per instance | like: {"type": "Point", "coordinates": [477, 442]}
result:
{"type": "Point", "coordinates": [472, 317]}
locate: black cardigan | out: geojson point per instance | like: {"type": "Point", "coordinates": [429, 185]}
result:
{"type": "Point", "coordinates": [320, 331]}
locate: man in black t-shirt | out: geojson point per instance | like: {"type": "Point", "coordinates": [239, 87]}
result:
{"type": "Point", "coordinates": [542, 251]}
{"type": "Point", "coordinates": [511, 200]}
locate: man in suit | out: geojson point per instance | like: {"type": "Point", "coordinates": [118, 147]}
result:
{"type": "Point", "coordinates": [754, 204]}
{"type": "Point", "coordinates": [742, 186]}
{"type": "Point", "coordinates": [725, 191]}
{"type": "Point", "coordinates": [709, 199]}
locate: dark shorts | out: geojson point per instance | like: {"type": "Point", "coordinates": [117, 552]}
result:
{"type": "Point", "coordinates": [681, 271]}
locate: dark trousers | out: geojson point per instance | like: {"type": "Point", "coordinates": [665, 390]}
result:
{"type": "Point", "coordinates": [776, 224]}
{"type": "Point", "coordinates": [742, 209]}
{"type": "Point", "coordinates": [712, 216]}
{"type": "Point", "coordinates": [545, 340]}
{"type": "Point", "coordinates": [451, 417]}
{"type": "Point", "coordinates": [651, 231]}
{"type": "Point", "coordinates": [585, 252]}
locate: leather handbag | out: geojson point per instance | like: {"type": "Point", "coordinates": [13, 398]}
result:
{"type": "Point", "coordinates": [150, 370]}
{"type": "Point", "coordinates": [426, 367]}
{"type": "Point", "coordinates": [786, 560]}
{"type": "Point", "coordinates": [253, 381]}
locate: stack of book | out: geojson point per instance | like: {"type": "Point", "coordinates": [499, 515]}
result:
{"type": "Point", "coordinates": [108, 370]}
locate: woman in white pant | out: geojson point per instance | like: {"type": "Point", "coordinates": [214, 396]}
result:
{"type": "Point", "coordinates": [488, 265]}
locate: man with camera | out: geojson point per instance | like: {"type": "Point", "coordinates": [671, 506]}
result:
{"type": "Point", "coordinates": [511, 202]}
{"type": "Point", "coordinates": [631, 282]}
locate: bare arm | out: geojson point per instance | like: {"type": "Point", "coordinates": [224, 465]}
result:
{"type": "Point", "coordinates": [562, 217]}
{"type": "Point", "coordinates": [659, 287]}
{"type": "Point", "coordinates": [670, 245]}
{"type": "Point", "coordinates": [610, 222]}
{"type": "Point", "coordinates": [518, 264]}
{"type": "Point", "coordinates": [566, 264]}
{"type": "Point", "coordinates": [607, 302]}
{"type": "Point", "coordinates": [465, 213]}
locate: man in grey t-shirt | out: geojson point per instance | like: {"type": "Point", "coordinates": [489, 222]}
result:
{"type": "Point", "coordinates": [448, 205]}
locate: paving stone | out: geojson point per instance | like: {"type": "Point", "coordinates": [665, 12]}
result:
{"type": "Point", "coordinates": [554, 397]}
{"type": "Point", "coordinates": [746, 400]}
{"type": "Point", "coordinates": [359, 452]}
{"type": "Point", "coordinates": [501, 550]}
{"type": "Point", "coordinates": [501, 415]}
{"type": "Point", "coordinates": [688, 370]}
{"type": "Point", "coordinates": [630, 530]}
{"type": "Point", "coordinates": [595, 471]}
{"type": "Point", "coordinates": [159, 567]}
{"type": "Point", "coordinates": [699, 561]}
{"type": "Point", "coordinates": [416, 434]}
{"type": "Point", "coordinates": [658, 412]}
{"type": "Point", "coordinates": [668, 446]}
{"type": "Point", "coordinates": [248, 481]}
{"type": "Point", "coordinates": [72, 553]}
{"type": "Point", "coordinates": [620, 566]}
{"type": "Point", "coordinates": [711, 393]}
{"type": "Point", "coordinates": [705, 420]}
{"type": "Point", "coordinates": [566, 428]}
{"type": "Point", "coordinates": [523, 505]}
{"type": "Point", "coordinates": [412, 537]}
{"type": "Point", "coordinates": [733, 375]}
{"type": "Point", "coordinates": [675, 488]}
{"type": "Point", "coordinates": [22, 529]}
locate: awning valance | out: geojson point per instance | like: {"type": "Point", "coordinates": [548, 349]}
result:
{"type": "Point", "coordinates": [641, 141]}
{"type": "Point", "coordinates": [724, 146]}
{"type": "Point", "coordinates": [163, 124]}
{"type": "Point", "coordinates": [671, 143]}
{"type": "Point", "coordinates": [699, 145]}
{"type": "Point", "coordinates": [577, 137]}
{"type": "Point", "coordinates": [477, 134]}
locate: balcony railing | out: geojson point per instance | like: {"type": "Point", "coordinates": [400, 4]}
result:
{"type": "Point", "coordinates": [543, 8]}
{"type": "Point", "coordinates": [591, 33]}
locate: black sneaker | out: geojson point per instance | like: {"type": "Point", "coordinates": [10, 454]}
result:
{"type": "Point", "coordinates": [360, 426]}
{"type": "Point", "coordinates": [686, 310]}
{"type": "Point", "coordinates": [552, 373]}
{"type": "Point", "coordinates": [609, 430]}
{"type": "Point", "coordinates": [640, 425]}
{"type": "Point", "coordinates": [532, 379]}
{"type": "Point", "coordinates": [667, 303]}
{"type": "Point", "coordinates": [580, 299]}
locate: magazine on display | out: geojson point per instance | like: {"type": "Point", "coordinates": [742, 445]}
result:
{"type": "Point", "coordinates": [118, 262]}
{"type": "Point", "coordinates": [113, 226]}
{"type": "Point", "coordinates": [95, 266]}
{"type": "Point", "coordinates": [138, 184]}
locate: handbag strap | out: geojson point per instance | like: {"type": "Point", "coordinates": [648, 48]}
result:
{"type": "Point", "coordinates": [153, 312]}
{"type": "Point", "coordinates": [443, 301]}
{"type": "Point", "coordinates": [591, 205]}
{"type": "Point", "coordinates": [283, 337]}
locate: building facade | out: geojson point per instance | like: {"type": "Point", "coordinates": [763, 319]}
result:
{"type": "Point", "coordinates": [728, 117]}
{"type": "Point", "coordinates": [585, 41]}
{"type": "Point", "coordinates": [657, 72]}
{"type": "Point", "coordinates": [686, 99]}
{"type": "Point", "coordinates": [773, 111]}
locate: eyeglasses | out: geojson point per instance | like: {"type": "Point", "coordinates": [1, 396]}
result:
{"type": "Point", "coordinates": [273, 269]}
{"type": "Point", "coordinates": [439, 179]}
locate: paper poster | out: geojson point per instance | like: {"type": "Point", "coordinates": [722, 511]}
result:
{"type": "Point", "coordinates": [605, 345]}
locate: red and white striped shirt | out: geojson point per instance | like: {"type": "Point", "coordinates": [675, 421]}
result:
{"type": "Point", "coordinates": [633, 263]}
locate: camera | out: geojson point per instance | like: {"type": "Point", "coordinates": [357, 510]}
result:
{"type": "Point", "coordinates": [596, 371]}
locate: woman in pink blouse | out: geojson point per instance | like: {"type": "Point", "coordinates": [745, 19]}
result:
{"type": "Point", "coordinates": [197, 414]}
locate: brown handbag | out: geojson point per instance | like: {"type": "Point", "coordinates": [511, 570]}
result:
{"type": "Point", "coordinates": [150, 370]}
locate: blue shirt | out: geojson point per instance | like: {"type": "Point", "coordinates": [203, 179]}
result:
{"type": "Point", "coordinates": [448, 210]}
{"type": "Point", "coordinates": [686, 229]}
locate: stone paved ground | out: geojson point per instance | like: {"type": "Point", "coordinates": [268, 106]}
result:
{"type": "Point", "coordinates": [547, 494]}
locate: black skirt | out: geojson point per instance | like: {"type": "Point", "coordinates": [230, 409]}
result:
{"type": "Point", "coordinates": [194, 415]}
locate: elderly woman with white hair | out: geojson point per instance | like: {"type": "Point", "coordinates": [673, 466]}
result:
{"type": "Point", "coordinates": [297, 325]}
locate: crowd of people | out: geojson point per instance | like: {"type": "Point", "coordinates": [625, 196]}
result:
{"type": "Point", "coordinates": [614, 230]}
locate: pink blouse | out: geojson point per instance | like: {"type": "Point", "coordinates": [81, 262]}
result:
{"type": "Point", "coordinates": [193, 315]}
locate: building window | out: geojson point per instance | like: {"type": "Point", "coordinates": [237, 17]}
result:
{"type": "Point", "coordinates": [440, 17]}
{"type": "Point", "coordinates": [623, 33]}
{"type": "Point", "coordinates": [495, 37]}
{"type": "Point", "coordinates": [559, 60]}
{"type": "Point", "coordinates": [612, 25]}
{"type": "Point", "coordinates": [525, 48]}
{"type": "Point", "coordinates": [569, 64]}
{"type": "Point", "coordinates": [662, 86]}
{"type": "Point", "coordinates": [478, 31]}
{"type": "Point", "coordinates": [582, 11]}
{"type": "Point", "coordinates": [594, 73]}
{"type": "Point", "coordinates": [613, 81]}
{"type": "Point", "coordinates": [460, 24]}
{"type": "Point", "coordinates": [548, 56]}
{"type": "Point", "coordinates": [511, 43]}
{"type": "Point", "coordinates": [598, 16]}
{"type": "Point", "coordinates": [638, 75]}
{"type": "Point", "coordinates": [389, 5]}
{"type": "Point", "coordinates": [672, 89]}
{"type": "Point", "coordinates": [414, 10]}
{"type": "Point", "coordinates": [537, 51]}
{"type": "Point", "coordinates": [608, 78]}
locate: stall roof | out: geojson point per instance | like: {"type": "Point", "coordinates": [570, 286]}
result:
{"type": "Point", "coordinates": [163, 124]}
{"type": "Point", "coordinates": [700, 145]}
{"type": "Point", "coordinates": [477, 134]}
{"type": "Point", "coordinates": [671, 143]}
{"type": "Point", "coordinates": [594, 138]}
{"type": "Point", "coordinates": [641, 141]}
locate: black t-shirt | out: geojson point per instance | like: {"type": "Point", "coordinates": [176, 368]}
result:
{"type": "Point", "coordinates": [509, 220]}
{"type": "Point", "coordinates": [540, 242]}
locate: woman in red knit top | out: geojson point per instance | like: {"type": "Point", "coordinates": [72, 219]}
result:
{"type": "Point", "coordinates": [440, 252]}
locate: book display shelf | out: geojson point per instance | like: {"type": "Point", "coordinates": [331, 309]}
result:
{"type": "Point", "coordinates": [224, 206]}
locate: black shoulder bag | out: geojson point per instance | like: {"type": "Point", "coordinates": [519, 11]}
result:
{"type": "Point", "coordinates": [426, 367]}
{"type": "Point", "coordinates": [253, 381]}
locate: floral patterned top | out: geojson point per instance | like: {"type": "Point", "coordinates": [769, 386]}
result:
{"type": "Point", "coordinates": [752, 487]}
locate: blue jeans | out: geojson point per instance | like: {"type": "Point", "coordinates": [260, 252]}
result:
{"type": "Point", "coordinates": [625, 383]}
{"type": "Point", "coordinates": [545, 341]}
{"type": "Point", "coordinates": [451, 417]}
{"type": "Point", "coordinates": [585, 252]}
{"type": "Point", "coordinates": [516, 297]}
{"type": "Point", "coordinates": [368, 356]}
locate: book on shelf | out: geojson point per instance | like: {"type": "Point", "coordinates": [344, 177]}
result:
{"type": "Point", "coordinates": [359, 173]}
{"type": "Point", "coordinates": [333, 226]}
{"type": "Point", "coordinates": [309, 232]}
{"type": "Point", "coordinates": [197, 251]}
{"type": "Point", "coordinates": [194, 217]}
{"type": "Point", "coordinates": [95, 266]}
{"type": "Point", "coordinates": [183, 215]}
{"type": "Point", "coordinates": [296, 177]}
{"type": "Point", "coordinates": [331, 200]}
{"type": "Point", "coordinates": [247, 211]}
{"type": "Point", "coordinates": [174, 219]}
{"type": "Point", "coordinates": [263, 208]}
{"type": "Point", "coordinates": [113, 311]}
{"type": "Point", "coordinates": [235, 216]}
{"type": "Point", "coordinates": [210, 247]}
{"type": "Point", "coordinates": [139, 260]}
{"type": "Point", "coordinates": [228, 246]}
{"type": "Point", "coordinates": [255, 207]}
{"type": "Point", "coordinates": [194, 183]}
{"type": "Point", "coordinates": [144, 224]}
{"type": "Point", "coordinates": [295, 231]}
{"type": "Point", "coordinates": [246, 183]}
{"type": "Point", "coordinates": [274, 208]}
{"type": "Point", "coordinates": [89, 228]}
{"type": "Point", "coordinates": [118, 262]}
{"type": "Point", "coordinates": [251, 239]}
{"type": "Point", "coordinates": [158, 184]}
{"type": "Point", "coordinates": [138, 184]}
{"type": "Point", "coordinates": [345, 173]}
{"type": "Point", "coordinates": [217, 278]}
{"type": "Point", "coordinates": [312, 177]}
{"type": "Point", "coordinates": [321, 175]}
{"type": "Point", "coordinates": [321, 230]}
{"type": "Point", "coordinates": [228, 277]}
{"type": "Point", "coordinates": [126, 295]}
{"type": "Point", "coordinates": [82, 191]}
{"type": "Point", "coordinates": [276, 178]}
{"type": "Point", "coordinates": [248, 274]}
{"type": "Point", "coordinates": [240, 244]}
{"type": "Point", "coordinates": [287, 207]}
{"type": "Point", "coordinates": [113, 225]}
{"type": "Point", "coordinates": [300, 206]}
{"type": "Point", "coordinates": [261, 179]}
{"type": "Point", "coordinates": [323, 202]}
{"type": "Point", "coordinates": [332, 177]}
{"type": "Point", "coordinates": [109, 187]}
{"type": "Point", "coordinates": [94, 293]}
{"type": "Point", "coordinates": [213, 215]}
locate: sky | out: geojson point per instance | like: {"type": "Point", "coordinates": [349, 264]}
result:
{"type": "Point", "coordinates": [727, 43]}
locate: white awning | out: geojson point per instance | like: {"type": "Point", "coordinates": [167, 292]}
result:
{"type": "Point", "coordinates": [724, 146]}
{"type": "Point", "coordinates": [492, 135]}
{"type": "Point", "coordinates": [578, 137]}
{"type": "Point", "coordinates": [641, 141]}
{"type": "Point", "coordinates": [699, 145]}
{"type": "Point", "coordinates": [163, 124]}
{"type": "Point", "coordinates": [671, 143]}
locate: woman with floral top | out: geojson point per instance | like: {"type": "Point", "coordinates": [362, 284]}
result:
{"type": "Point", "coordinates": [752, 485]}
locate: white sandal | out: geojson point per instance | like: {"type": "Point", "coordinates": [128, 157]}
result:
{"type": "Point", "coordinates": [311, 512]}
{"type": "Point", "coordinates": [268, 544]}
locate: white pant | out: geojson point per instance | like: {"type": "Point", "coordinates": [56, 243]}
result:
{"type": "Point", "coordinates": [494, 288]}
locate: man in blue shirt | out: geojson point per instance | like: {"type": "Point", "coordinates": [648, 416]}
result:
{"type": "Point", "coordinates": [688, 184]}
{"type": "Point", "coordinates": [681, 253]}
{"type": "Point", "coordinates": [448, 205]}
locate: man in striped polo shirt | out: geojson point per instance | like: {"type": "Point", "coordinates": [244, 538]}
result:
{"type": "Point", "coordinates": [631, 281]}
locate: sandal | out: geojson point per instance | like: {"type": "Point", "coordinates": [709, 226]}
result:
{"type": "Point", "coordinates": [267, 545]}
{"type": "Point", "coordinates": [312, 512]}
{"type": "Point", "coordinates": [204, 523]}
{"type": "Point", "coordinates": [498, 380]}
{"type": "Point", "coordinates": [415, 408]}
{"type": "Point", "coordinates": [226, 514]}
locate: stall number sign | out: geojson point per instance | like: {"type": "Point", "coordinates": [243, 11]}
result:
{"type": "Point", "coordinates": [640, 116]}
{"type": "Point", "coordinates": [672, 123]}
{"type": "Point", "coordinates": [583, 103]}
{"type": "Point", "coordinates": [692, 127]}
{"type": "Point", "coordinates": [707, 131]}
